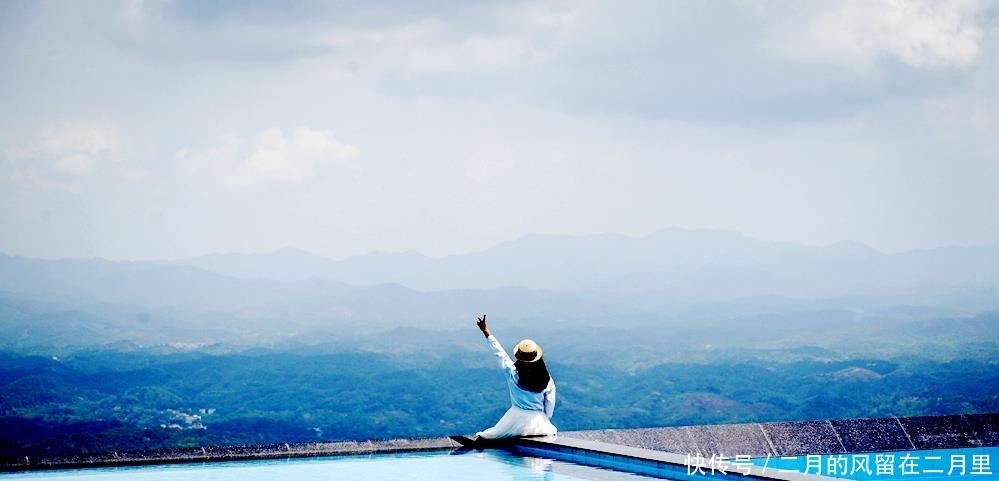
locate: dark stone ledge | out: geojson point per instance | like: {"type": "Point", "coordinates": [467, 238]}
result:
{"type": "Point", "coordinates": [228, 453]}
{"type": "Point", "coordinates": [811, 437]}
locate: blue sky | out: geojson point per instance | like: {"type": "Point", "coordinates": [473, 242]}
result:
{"type": "Point", "coordinates": [170, 129]}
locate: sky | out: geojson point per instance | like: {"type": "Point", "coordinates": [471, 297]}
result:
{"type": "Point", "coordinates": [171, 129]}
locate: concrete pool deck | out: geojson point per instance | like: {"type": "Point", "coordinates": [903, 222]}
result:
{"type": "Point", "coordinates": [657, 451]}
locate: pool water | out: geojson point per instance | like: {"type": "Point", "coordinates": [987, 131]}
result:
{"type": "Point", "coordinates": [433, 466]}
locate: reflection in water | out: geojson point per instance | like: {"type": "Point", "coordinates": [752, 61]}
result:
{"type": "Point", "coordinates": [525, 468]}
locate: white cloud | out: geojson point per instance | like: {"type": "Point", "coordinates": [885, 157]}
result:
{"type": "Point", "coordinates": [555, 116]}
{"type": "Point", "coordinates": [215, 161]}
{"type": "Point", "coordinates": [926, 34]}
{"type": "Point", "coordinates": [133, 174]}
{"type": "Point", "coordinates": [513, 36]}
{"type": "Point", "coordinates": [272, 157]}
{"type": "Point", "coordinates": [75, 165]}
{"type": "Point", "coordinates": [85, 138]}
{"type": "Point", "coordinates": [72, 150]}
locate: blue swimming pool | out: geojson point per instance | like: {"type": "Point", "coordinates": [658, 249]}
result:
{"type": "Point", "coordinates": [432, 466]}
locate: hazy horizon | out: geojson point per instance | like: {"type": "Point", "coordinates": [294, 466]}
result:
{"type": "Point", "coordinates": [290, 248]}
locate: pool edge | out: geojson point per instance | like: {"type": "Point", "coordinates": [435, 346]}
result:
{"type": "Point", "coordinates": [232, 453]}
{"type": "Point", "coordinates": [647, 462]}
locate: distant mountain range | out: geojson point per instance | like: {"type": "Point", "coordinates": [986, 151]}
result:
{"type": "Point", "coordinates": [682, 265]}
{"type": "Point", "coordinates": [701, 263]}
{"type": "Point", "coordinates": [673, 274]}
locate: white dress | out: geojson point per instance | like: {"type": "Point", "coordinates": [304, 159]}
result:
{"type": "Point", "coordinates": [530, 412]}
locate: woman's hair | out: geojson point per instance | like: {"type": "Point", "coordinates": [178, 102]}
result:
{"type": "Point", "coordinates": [532, 376]}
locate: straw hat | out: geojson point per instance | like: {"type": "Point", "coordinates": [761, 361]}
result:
{"type": "Point", "coordinates": [527, 351]}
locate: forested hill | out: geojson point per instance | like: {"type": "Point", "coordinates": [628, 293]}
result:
{"type": "Point", "coordinates": [106, 400]}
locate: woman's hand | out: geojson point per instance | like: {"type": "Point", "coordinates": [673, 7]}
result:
{"type": "Point", "coordinates": [481, 322]}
